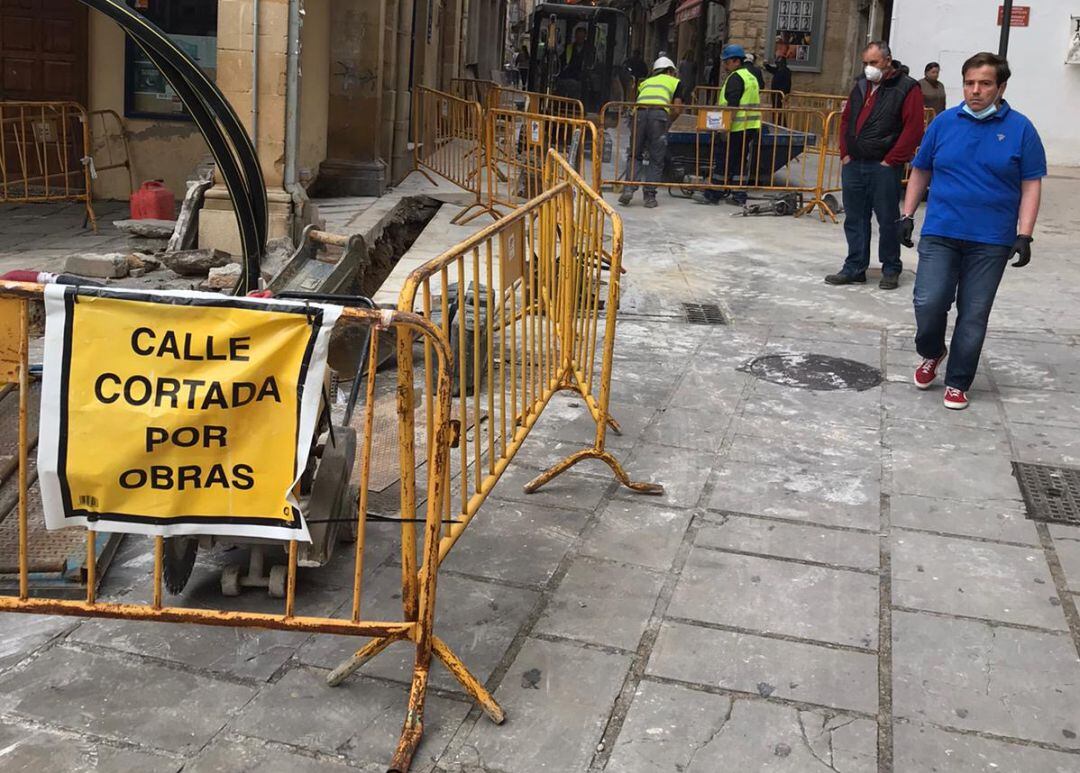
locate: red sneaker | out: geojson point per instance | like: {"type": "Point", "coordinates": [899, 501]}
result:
{"type": "Point", "coordinates": [955, 399]}
{"type": "Point", "coordinates": [927, 371]}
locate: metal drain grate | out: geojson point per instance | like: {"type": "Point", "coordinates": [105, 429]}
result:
{"type": "Point", "coordinates": [1051, 493]}
{"type": "Point", "coordinates": [703, 314]}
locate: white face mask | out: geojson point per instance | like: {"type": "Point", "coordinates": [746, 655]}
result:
{"type": "Point", "coordinates": [873, 74]}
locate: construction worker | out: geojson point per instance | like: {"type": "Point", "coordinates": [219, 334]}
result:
{"type": "Point", "coordinates": [740, 88]}
{"type": "Point", "coordinates": [658, 98]}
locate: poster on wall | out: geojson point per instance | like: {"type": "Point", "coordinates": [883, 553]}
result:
{"type": "Point", "coordinates": [1073, 54]}
{"type": "Point", "coordinates": [794, 24]}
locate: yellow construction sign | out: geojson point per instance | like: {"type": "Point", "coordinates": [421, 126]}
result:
{"type": "Point", "coordinates": [179, 413]}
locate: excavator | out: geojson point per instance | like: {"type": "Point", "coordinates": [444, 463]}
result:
{"type": "Point", "coordinates": [563, 64]}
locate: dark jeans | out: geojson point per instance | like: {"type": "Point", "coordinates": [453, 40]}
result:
{"type": "Point", "coordinates": [871, 189]}
{"type": "Point", "coordinates": [739, 162]}
{"type": "Point", "coordinates": [650, 127]}
{"type": "Point", "coordinates": [970, 273]}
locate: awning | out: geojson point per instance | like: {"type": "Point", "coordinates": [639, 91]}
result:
{"type": "Point", "coordinates": [687, 10]}
{"type": "Point", "coordinates": [660, 10]}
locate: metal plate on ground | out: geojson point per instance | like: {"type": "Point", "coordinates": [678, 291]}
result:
{"type": "Point", "coordinates": [816, 372]}
{"type": "Point", "coordinates": [703, 314]}
{"type": "Point", "coordinates": [1050, 493]}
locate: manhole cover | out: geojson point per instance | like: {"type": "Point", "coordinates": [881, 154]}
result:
{"type": "Point", "coordinates": [814, 371]}
{"type": "Point", "coordinates": [1050, 493]}
{"type": "Point", "coordinates": [703, 314]}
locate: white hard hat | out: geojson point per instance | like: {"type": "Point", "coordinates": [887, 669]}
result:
{"type": "Point", "coordinates": [663, 63]}
{"type": "Point", "coordinates": [750, 57]}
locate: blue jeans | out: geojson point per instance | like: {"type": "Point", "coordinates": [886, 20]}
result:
{"type": "Point", "coordinates": [871, 189]}
{"type": "Point", "coordinates": [970, 273]}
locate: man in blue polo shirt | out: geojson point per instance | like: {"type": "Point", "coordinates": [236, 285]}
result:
{"type": "Point", "coordinates": [987, 163]}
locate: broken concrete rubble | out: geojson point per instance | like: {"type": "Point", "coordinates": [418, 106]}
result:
{"type": "Point", "coordinates": [222, 277]}
{"type": "Point", "coordinates": [148, 229]}
{"type": "Point", "coordinates": [195, 262]}
{"type": "Point", "coordinates": [113, 265]}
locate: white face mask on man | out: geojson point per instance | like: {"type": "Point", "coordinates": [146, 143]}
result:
{"type": "Point", "coordinates": [873, 74]}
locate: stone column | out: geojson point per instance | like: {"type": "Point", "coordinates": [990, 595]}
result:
{"type": "Point", "coordinates": [354, 165]}
{"type": "Point", "coordinates": [217, 223]}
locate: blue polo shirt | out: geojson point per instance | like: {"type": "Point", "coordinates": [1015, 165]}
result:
{"type": "Point", "coordinates": [977, 167]}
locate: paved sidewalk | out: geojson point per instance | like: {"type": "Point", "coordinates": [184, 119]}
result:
{"type": "Point", "coordinates": [836, 581]}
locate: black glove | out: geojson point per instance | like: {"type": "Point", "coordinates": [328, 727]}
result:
{"type": "Point", "coordinates": [907, 230]}
{"type": "Point", "coordinates": [1021, 250]}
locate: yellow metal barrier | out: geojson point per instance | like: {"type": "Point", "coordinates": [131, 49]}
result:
{"type": "Point", "coordinates": [448, 139]}
{"type": "Point", "coordinates": [506, 98]}
{"type": "Point", "coordinates": [45, 154]}
{"type": "Point", "coordinates": [524, 305]}
{"type": "Point", "coordinates": [710, 95]}
{"type": "Point", "coordinates": [416, 624]}
{"type": "Point", "coordinates": [826, 103]}
{"type": "Point", "coordinates": [517, 147]}
{"type": "Point", "coordinates": [703, 154]}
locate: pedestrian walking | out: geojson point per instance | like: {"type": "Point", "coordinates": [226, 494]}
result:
{"type": "Point", "coordinates": [740, 88]}
{"type": "Point", "coordinates": [658, 98]}
{"type": "Point", "coordinates": [521, 62]}
{"type": "Point", "coordinates": [933, 93]}
{"type": "Point", "coordinates": [880, 128]}
{"type": "Point", "coordinates": [986, 162]}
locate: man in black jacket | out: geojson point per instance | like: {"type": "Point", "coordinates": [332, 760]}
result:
{"type": "Point", "coordinates": [781, 77]}
{"type": "Point", "coordinates": [880, 128]}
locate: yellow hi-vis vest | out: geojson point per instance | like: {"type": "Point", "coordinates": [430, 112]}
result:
{"type": "Point", "coordinates": [657, 90]}
{"type": "Point", "coordinates": [751, 97]}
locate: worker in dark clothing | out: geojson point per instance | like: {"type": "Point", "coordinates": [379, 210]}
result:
{"type": "Point", "coordinates": [781, 78]}
{"type": "Point", "coordinates": [658, 100]}
{"type": "Point", "coordinates": [636, 65]}
{"type": "Point", "coordinates": [751, 65]}
{"type": "Point", "coordinates": [740, 88]}
{"type": "Point", "coordinates": [880, 128]}
{"type": "Point", "coordinates": [575, 61]}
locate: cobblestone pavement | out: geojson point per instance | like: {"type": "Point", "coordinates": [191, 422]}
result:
{"type": "Point", "coordinates": [834, 581]}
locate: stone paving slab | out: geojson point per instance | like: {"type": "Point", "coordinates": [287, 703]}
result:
{"type": "Point", "coordinates": [921, 748]}
{"type": "Point", "coordinates": [792, 540]}
{"type": "Point", "coordinates": [623, 596]}
{"type": "Point", "coordinates": [975, 579]}
{"type": "Point", "coordinates": [674, 728]}
{"type": "Point", "coordinates": [1001, 520]}
{"type": "Point", "coordinates": [827, 498]}
{"type": "Point", "coordinates": [841, 448]}
{"type": "Point", "coordinates": [637, 533]}
{"type": "Point", "coordinates": [780, 597]}
{"type": "Point", "coordinates": [911, 434]}
{"type": "Point", "coordinates": [904, 401]}
{"type": "Point", "coordinates": [1045, 444]}
{"type": "Point", "coordinates": [360, 719]}
{"type": "Point", "coordinates": [515, 542]}
{"type": "Point", "coordinates": [998, 680]}
{"type": "Point", "coordinates": [238, 755]}
{"type": "Point", "coordinates": [31, 750]}
{"type": "Point", "coordinates": [23, 634]}
{"type": "Point", "coordinates": [559, 696]}
{"type": "Point", "coordinates": [766, 666]}
{"type": "Point", "coordinates": [477, 619]}
{"type": "Point", "coordinates": [953, 475]}
{"type": "Point", "coordinates": [165, 708]}
{"type": "Point", "coordinates": [693, 428]}
{"type": "Point", "coordinates": [680, 470]}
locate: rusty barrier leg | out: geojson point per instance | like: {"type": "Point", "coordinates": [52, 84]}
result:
{"type": "Point", "coordinates": [418, 583]}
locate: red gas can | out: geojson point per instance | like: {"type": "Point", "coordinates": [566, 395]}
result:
{"type": "Point", "coordinates": [153, 201]}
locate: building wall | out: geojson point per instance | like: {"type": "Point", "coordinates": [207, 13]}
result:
{"type": "Point", "coordinates": [160, 149]}
{"type": "Point", "coordinates": [315, 88]}
{"type": "Point", "coordinates": [845, 30]}
{"type": "Point", "coordinates": [1042, 87]}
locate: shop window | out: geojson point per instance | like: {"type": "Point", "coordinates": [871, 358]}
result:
{"type": "Point", "coordinates": [797, 29]}
{"type": "Point", "coordinates": [192, 25]}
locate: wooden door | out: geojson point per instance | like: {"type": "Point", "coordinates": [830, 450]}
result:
{"type": "Point", "coordinates": [43, 47]}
